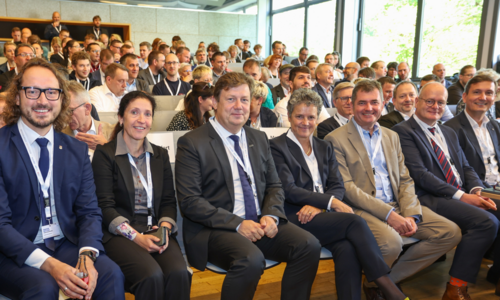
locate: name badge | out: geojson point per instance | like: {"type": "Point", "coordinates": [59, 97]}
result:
{"type": "Point", "coordinates": [50, 231]}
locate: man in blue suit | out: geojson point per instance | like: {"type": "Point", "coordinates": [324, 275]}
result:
{"type": "Point", "coordinates": [448, 185]}
{"type": "Point", "coordinates": [49, 217]}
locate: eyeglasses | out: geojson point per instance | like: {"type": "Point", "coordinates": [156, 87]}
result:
{"type": "Point", "coordinates": [33, 93]}
{"type": "Point", "coordinates": [344, 99]}
{"type": "Point", "coordinates": [171, 63]}
{"type": "Point", "coordinates": [430, 103]}
{"type": "Point", "coordinates": [31, 55]}
{"type": "Point", "coordinates": [72, 110]}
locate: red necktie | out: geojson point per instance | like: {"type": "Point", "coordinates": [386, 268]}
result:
{"type": "Point", "coordinates": [443, 161]}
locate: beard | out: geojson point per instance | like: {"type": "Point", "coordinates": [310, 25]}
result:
{"type": "Point", "coordinates": [44, 122]}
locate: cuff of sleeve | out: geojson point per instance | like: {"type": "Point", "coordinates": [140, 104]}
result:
{"type": "Point", "coordinates": [475, 189]}
{"type": "Point", "coordinates": [329, 207]}
{"type": "Point", "coordinates": [171, 221]}
{"type": "Point", "coordinates": [90, 248]}
{"type": "Point", "coordinates": [387, 217]}
{"type": "Point", "coordinates": [417, 218]}
{"type": "Point", "coordinates": [274, 217]}
{"type": "Point", "coordinates": [115, 223]}
{"type": "Point", "coordinates": [36, 258]}
{"type": "Point", "coordinates": [238, 227]}
{"type": "Point", "coordinates": [458, 195]}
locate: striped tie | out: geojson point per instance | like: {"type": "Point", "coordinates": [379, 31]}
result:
{"type": "Point", "coordinates": [443, 161]}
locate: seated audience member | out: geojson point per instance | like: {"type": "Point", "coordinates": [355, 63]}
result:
{"type": "Point", "coordinates": [312, 64]}
{"type": "Point", "coordinates": [129, 42]}
{"type": "Point", "coordinates": [63, 35]}
{"type": "Point", "coordinates": [9, 51]}
{"type": "Point", "coordinates": [260, 116]}
{"type": "Point", "coordinates": [274, 65]}
{"type": "Point", "coordinates": [211, 50]}
{"type": "Point", "coordinates": [183, 54]}
{"type": "Point", "coordinates": [107, 97]}
{"type": "Point", "coordinates": [300, 77]}
{"type": "Point", "coordinates": [324, 79]}
{"type": "Point", "coordinates": [96, 30]}
{"type": "Point", "coordinates": [350, 72]}
{"type": "Point", "coordinates": [301, 60]}
{"type": "Point", "coordinates": [16, 35]}
{"type": "Point", "coordinates": [233, 203]}
{"type": "Point", "coordinates": [156, 44]}
{"type": "Point", "coordinates": [104, 39]}
{"type": "Point", "coordinates": [239, 45]}
{"type": "Point", "coordinates": [440, 71]}
{"type": "Point", "coordinates": [342, 97]}
{"type": "Point", "coordinates": [23, 53]}
{"type": "Point", "coordinates": [252, 68]}
{"type": "Point", "coordinates": [283, 89]}
{"type": "Point", "coordinates": [82, 126]}
{"type": "Point", "coordinates": [201, 58]}
{"type": "Point", "coordinates": [257, 56]}
{"type": "Point", "coordinates": [105, 59]}
{"type": "Point", "coordinates": [494, 111]}
{"type": "Point", "coordinates": [197, 106]}
{"type": "Point", "coordinates": [179, 44]}
{"type": "Point", "coordinates": [234, 55]}
{"type": "Point", "coordinates": [71, 48]}
{"type": "Point", "coordinates": [333, 60]}
{"type": "Point", "coordinates": [185, 73]}
{"type": "Point", "coordinates": [126, 49]}
{"type": "Point", "coordinates": [89, 39]}
{"type": "Point", "coordinates": [447, 115]}
{"type": "Point", "coordinates": [57, 54]}
{"type": "Point", "coordinates": [404, 72]}
{"type": "Point", "coordinates": [449, 186]}
{"type": "Point", "coordinates": [379, 68]}
{"type": "Point", "coordinates": [2, 107]}
{"type": "Point", "coordinates": [131, 62]}
{"type": "Point", "coordinates": [314, 191]}
{"type": "Point", "coordinates": [40, 247]}
{"type": "Point", "coordinates": [64, 41]}
{"type": "Point", "coordinates": [246, 53]}
{"type": "Point", "coordinates": [286, 57]}
{"type": "Point", "coordinates": [201, 73]}
{"type": "Point", "coordinates": [219, 65]}
{"type": "Point", "coordinates": [154, 73]}
{"type": "Point", "coordinates": [25, 34]}
{"type": "Point", "coordinates": [266, 74]}
{"type": "Point", "coordinates": [172, 85]}
{"type": "Point", "coordinates": [115, 46]}
{"type": "Point", "coordinates": [201, 45]}
{"type": "Point", "coordinates": [392, 70]}
{"type": "Point", "coordinates": [144, 50]}
{"type": "Point", "coordinates": [456, 90]}
{"type": "Point", "coordinates": [115, 36]}
{"type": "Point", "coordinates": [387, 200]}
{"type": "Point", "coordinates": [363, 61]}
{"type": "Point", "coordinates": [164, 49]}
{"type": "Point", "coordinates": [388, 84]}
{"type": "Point", "coordinates": [52, 30]}
{"type": "Point", "coordinates": [405, 94]}
{"type": "Point", "coordinates": [36, 43]}
{"type": "Point", "coordinates": [366, 73]}
{"type": "Point", "coordinates": [38, 49]}
{"type": "Point", "coordinates": [94, 50]}
{"type": "Point", "coordinates": [81, 70]}
{"type": "Point", "coordinates": [121, 167]}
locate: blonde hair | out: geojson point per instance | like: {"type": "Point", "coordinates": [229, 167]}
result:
{"type": "Point", "coordinates": [200, 70]}
{"type": "Point", "coordinates": [266, 74]}
{"type": "Point", "coordinates": [260, 90]}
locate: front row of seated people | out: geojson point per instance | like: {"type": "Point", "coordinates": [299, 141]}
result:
{"type": "Point", "coordinates": [244, 199]}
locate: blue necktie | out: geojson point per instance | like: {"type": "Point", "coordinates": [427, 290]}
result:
{"type": "Point", "coordinates": [43, 164]}
{"type": "Point", "coordinates": [250, 209]}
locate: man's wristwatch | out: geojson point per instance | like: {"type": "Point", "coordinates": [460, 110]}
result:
{"type": "Point", "coordinates": [89, 254]}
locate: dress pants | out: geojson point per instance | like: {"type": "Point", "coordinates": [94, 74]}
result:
{"type": "Point", "coordinates": [353, 248]}
{"type": "Point", "coordinates": [245, 261]}
{"type": "Point", "coordinates": [479, 229]}
{"type": "Point", "coordinates": [437, 236]}
{"type": "Point", "coordinates": [26, 282]}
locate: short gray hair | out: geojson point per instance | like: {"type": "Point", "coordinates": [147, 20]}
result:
{"type": "Point", "coordinates": [78, 91]}
{"type": "Point", "coordinates": [304, 96]}
{"type": "Point", "coordinates": [260, 90]}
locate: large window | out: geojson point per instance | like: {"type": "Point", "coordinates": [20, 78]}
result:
{"type": "Point", "coordinates": [450, 34]}
{"type": "Point", "coordinates": [278, 4]}
{"type": "Point", "coordinates": [321, 29]}
{"type": "Point", "coordinates": [288, 27]}
{"type": "Point", "coordinates": [389, 30]}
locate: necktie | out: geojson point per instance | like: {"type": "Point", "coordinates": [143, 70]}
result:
{"type": "Point", "coordinates": [443, 161]}
{"type": "Point", "coordinates": [250, 209]}
{"type": "Point", "coordinates": [43, 164]}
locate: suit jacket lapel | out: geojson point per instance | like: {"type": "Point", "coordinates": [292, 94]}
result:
{"type": "Point", "coordinates": [469, 132]}
{"type": "Point", "coordinates": [60, 151]}
{"type": "Point", "coordinates": [156, 166]}
{"type": "Point", "coordinates": [297, 154]}
{"type": "Point", "coordinates": [494, 137]}
{"type": "Point", "coordinates": [125, 169]}
{"type": "Point", "coordinates": [320, 154]}
{"type": "Point", "coordinates": [357, 143]}
{"type": "Point", "coordinates": [319, 89]}
{"type": "Point", "coordinates": [254, 156]}
{"type": "Point", "coordinates": [220, 152]}
{"type": "Point", "coordinates": [423, 139]}
{"type": "Point", "coordinates": [400, 117]}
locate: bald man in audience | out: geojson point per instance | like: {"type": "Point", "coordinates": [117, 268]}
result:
{"type": "Point", "coordinates": [440, 71]}
{"type": "Point", "coordinates": [25, 34]}
{"type": "Point", "coordinates": [447, 115]}
{"type": "Point", "coordinates": [456, 90]}
{"type": "Point", "coordinates": [379, 68]}
{"type": "Point", "coordinates": [171, 85]}
{"type": "Point", "coordinates": [104, 39]}
{"type": "Point", "coordinates": [404, 72]}
{"type": "Point", "coordinates": [350, 72]}
{"type": "Point", "coordinates": [52, 30]}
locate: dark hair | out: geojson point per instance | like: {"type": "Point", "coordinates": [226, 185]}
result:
{"type": "Point", "coordinates": [296, 70]}
{"type": "Point", "coordinates": [214, 47]}
{"type": "Point", "coordinates": [80, 55]}
{"type": "Point", "coordinates": [96, 17]}
{"type": "Point", "coordinates": [153, 55]}
{"type": "Point", "coordinates": [393, 64]}
{"type": "Point", "coordinates": [16, 52]}
{"type": "Point", "coordinates": [192, 105]}
{"type": "Point", "coordinates": [34, 39]}
{"type": "Point", "coordinates": [366, 85]}
{"type": "Point", "coordinates": [217, 54]}
{"type": "Point", "coordinates": [124, 103]}
{"type": "Point", "coordinates": [123, 59]}
{"type": "Point", "coordinates": [361, 59]}
{"type": "Point", "coordinates": [14, 29]}
{"type": "Point", "coordinates": [106, 54]}
{"type": "Point", "coordinates": [246, 42]}
{"type": "Point", "coordinates": [89, 36]}
{"type": "Point", "coordinates": [367, 73]}
{"type": "Point", "coordinates": [276, 42]}
{"type": "Point", "coordinates": [249, 63]}
{"type": "Point", "coordinates": [69, 44]}
{"type": "Point", "coordinates": [303, 48]}
{"type": "Point", "coordinates": [89, 46]}
{"type": "Point", "coordinates": [236, 41]}
{"type": "Point", "coordinates": [430, 77]}
{"type": "Point", "coordinates": [232, 80]}
{"type": "Point", "coordinates": [163, 47]}
{"type": "Point", "coordinates": [312, 57]}
{"type": "Point", "coordinates": [115, 41]}
{"type": "Point", "coordinates": [176, 38]}
{"type": "Point", "coordinates": [339, 63]}
{"type": "Point", "coordinates": [386, 79]}
{"type": "Point", "coordinates": [480, 78]}
{"type": "Point", "coordinates": [464, 69]}
{"type": "Point", "coordinates": [395, 91]}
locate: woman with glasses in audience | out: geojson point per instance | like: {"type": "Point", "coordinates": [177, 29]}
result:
{"type": "Point", "coordinates": [135, 190]}
{"type": "Point", "coordinates": [274, 65]}
{"type": "Point", "coordinates": [314, 189]}
{"type": "Point", "coordinates": [71, 47]}
{"type": "Point", "coordinates": [57, 55]}
{"type": "Point", "coordinates": [197, 106]}
{"type": "Point", "coordinates": [260, 116]}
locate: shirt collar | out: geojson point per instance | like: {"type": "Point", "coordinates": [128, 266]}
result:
{"type": "Point", "coordinates": [107, 91]}
{"type": "Point", "coordinates": [405, 116]}
{"type": "Point", "coordinates": [342, 118]}
{"type": "Point", "coordinates": [133, 83]}
{"type": "Point", "coordinates": [474, 123]}
{"type": "Point", "coordinates": [325, 90]}
{"type": "Point", "coordinates": [422, 124]}
{"type": "Point", "coordinates": [32, 135]}
{"type": "Point", "coordinates": [376, 127]}
{"type": "Point", "coordinates": [223, 131]}
{"type": "Point", "coordinates": [292, 136]}
{"type": "Point", "coordinates": [122, 149]}
{"type": "Point", "coordinates": [91, 130]}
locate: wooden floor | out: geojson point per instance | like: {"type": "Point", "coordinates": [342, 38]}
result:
{"type": "Point", "coordinates": [428, 284]}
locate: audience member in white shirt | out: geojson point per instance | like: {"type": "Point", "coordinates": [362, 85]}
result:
{"type": "Point", "coordinates": [107, 97]}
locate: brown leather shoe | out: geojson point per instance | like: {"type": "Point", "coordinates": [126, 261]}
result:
{"type": "Point", "coordinates": [456, 293]}
{"type": "Point", "coordinates": [373, 293]}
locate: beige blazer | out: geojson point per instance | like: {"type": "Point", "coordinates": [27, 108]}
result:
{"type": "Point", "coordinates": [359, 181]}
{"type": "Point", "coordinates": [107, 129]}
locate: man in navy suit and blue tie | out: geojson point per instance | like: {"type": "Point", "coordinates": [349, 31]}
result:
{"type": "Point", "coordinates": [49, 217]}
{"type": "Point", "coordinates": [448, 185]}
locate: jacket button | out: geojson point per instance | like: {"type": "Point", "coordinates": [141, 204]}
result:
{"type": "Point", "coordinates": [37, 218]}
{"type": "Point", "coordinates": [373, 193]}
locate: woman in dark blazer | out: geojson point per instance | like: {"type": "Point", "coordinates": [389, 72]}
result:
{"type": "Point", "coordinates": [123, 169]}
{"type": "Point", "coordinates": [314, 190]}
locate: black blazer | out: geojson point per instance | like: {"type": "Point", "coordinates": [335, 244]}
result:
{"type": "Point", "coordinates": [205, 188]}
{"type": "Point", "coordinates": [391, 119]}
{"type": "Point", "coordinates": [101, 31]}
{"type": "Point", "coordinates": [96, 75]}
{"type": "Point", "coordinates": [56, 58]}
{"type": "Point", "coordinates": [3, 68]}
{"type": "Point", "coordinates": [5, 79]}
{"type": "Point", "coordinates": [327, 126]}
{"type": "Point", "coordinates": [318, 89]}
{"type": "Point", "coordinates": [470, 145]}
{"type": "Point", "coordinates": [93, 82]}
{"type": "Point", "coordinates": [267, 118]}
{"type": "Point", "coordinates": [115, 185]}
{"type": "Point", "coordinates": [277, 91]}
{"type": "Point", "coordinates": [455, 92]}
{"type": "Point", "coordinates": [423, 164]}
{"type": "Point", "coordinates": [296, 177]}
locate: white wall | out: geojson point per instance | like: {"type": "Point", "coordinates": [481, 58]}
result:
{"type": "Point", "coordinates": [146, 23]}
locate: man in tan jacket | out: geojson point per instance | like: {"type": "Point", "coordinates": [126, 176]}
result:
{"type": "Point", "coordinates": [82, 126]}
{"type": "Point", "coordinates": [380, 189]}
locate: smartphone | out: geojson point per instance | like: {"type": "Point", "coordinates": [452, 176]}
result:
{"type": "Point", "coordinates": [160, 233]}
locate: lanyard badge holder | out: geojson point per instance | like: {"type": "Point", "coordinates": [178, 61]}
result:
{"type": "Point", "coordinates": [148, 188]}
{"type": "Point", "coordinates": [178, 87]}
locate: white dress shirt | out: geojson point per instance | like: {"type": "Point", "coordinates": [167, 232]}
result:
{"type": "Point", "coordinates": [91, 131]}
{"type": "Point", "coordinates": [38, 256]}
{"type": "Point", "coordinates": [280, 110]}
{"type": "Point", "coordinates": [104, 100]}
{"type": "Point", "coordinates": [328, 94]}
{"type": "Point", "coordinates": [405, 116]}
